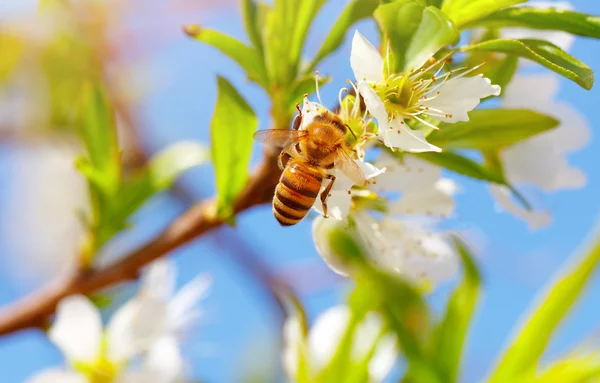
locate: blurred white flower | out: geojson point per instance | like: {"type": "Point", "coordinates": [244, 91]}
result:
{"type": "Point", "coordinates": [147, 325]}
{"type": "Point", "coordinates": [562, 39]}
{"type": "Point", "coordinates": [419, 93]}
{"type": "Point", "coordinates": [541, 161]}
{"type": "Point", "coordinates": [46, 199]}
{"type": "Point", "coordinates": [369, 344]}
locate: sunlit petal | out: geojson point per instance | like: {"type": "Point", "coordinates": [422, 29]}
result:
{"type": "Point", "coordinates": [400, 136]}
{"type": "Point", "coordinates": [365, 60]}
{"type": "Point", "coordinates": [534, 219]}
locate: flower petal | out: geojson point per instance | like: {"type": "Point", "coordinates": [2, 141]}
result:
{"type": "Point", "coordinates": [158, 280]}
{"type": "Point", "coordinates": [461, 95]}
{"type": "Point", "coordinates": [400, 136]}
{"type": "Point", "coordinates": [56, 375]}
{"type": "Point", "coordinates": [534, 219]}
{"type": "Point", "coordinates": [326, 333]}
{"type": "Point", "coordinates": [374, 104]}
{"type": "Point", "coordinates": [338, 204]}
{"type": "Point", "coordinates": [77, 330]}
{"type": "Point", "coordinates": [181, 309]}
{"type": "Point", "coordinates": [309, 111]}
{"type": "Point", "coordinates": [321, 228]}
{"type": "Point", "coordinates": [403, 176]}
{"type": "Point", "coordinates": [365, 60]}
{"type": "Point", "coordinates": [293, 344]}
{"type": "Point", "coordinates": [385, 358]}
{"type": "Point", "coordinates": [119, 333]}
{"type": "Point", "coordinates": [165, 359]}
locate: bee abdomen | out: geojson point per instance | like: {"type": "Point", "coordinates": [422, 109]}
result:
{"type": "Point", "coordinates": [295, 195]}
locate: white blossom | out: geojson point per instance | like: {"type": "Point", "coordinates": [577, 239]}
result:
{"type": "Point", "coordinates": [324, 339]}
{"type": "Point", "coordinates": [147, 325]}
{"type": "Point", "coordinates": [541, 161]}
{"type": "Point", "coordinates": [393, 98]}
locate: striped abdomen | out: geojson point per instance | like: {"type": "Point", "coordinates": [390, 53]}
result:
{"type": "Point", "coordinates": [296, 192]}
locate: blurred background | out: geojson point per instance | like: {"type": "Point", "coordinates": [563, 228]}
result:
{"type": "Point", "coordinates": [163, 85]}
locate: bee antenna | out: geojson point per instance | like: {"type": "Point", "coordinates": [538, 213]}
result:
{"type": "Point", "coordinates": [317, 87]}
{"type": "Point", "coordinates": [351, 131]}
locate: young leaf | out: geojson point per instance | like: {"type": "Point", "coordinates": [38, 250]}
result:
{"type": "Point", "coordinates": [98, 133]}
{"type": "Point", "coordinates": [542, 52]}
{"type": "Point", "coordinates": [503, 71]}
{"type": "Point", "coordinates": [575, 23]}
{"type": "Point", "coordinates": [435, 32]}
{"type": "Point", "coordinates": [461, 165]}
{"type": "Point", "coordinates": [521, 356]}
{"type": "Point", "coordinates": [573, 369]}
{"type": "Point", "coordinates": [492, 129]}
{"type": "Point", "coordinates": [162, 171]}
{"type": "Point", "coordinates": [231, 129]}
{"type": "Point", "coordinates": [449, 335]}
{"type": "Point", "coordinates": [415, 33]}
{"type": "Point", "coordinates": [253, 23]}
{"type": "Point", "coordinates": [463, 12]}
{"type": "Point", "coordinates": [355, 10]}
{"type": "Point", "coordinates": [304, 13]}
{"type": "Point", "coordinates": [247, 57]}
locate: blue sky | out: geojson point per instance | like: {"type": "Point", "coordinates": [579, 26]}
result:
{"type": "Point", "coordinates": [239, 316]}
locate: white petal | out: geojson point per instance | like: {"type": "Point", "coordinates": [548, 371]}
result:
{"type": "Point", "coordinates": [574, 131]}
{"type": "Point", "coordinates": [366, 335]}
{"type": "Point", "coordinates": [374, 104]}
{"type": "Point", "coordinates": [292, 343]}
{"type": "Point", "coordinates": [369, 170]}
{"type": "Point", "coordinates": [77, 330]}
{"type": "Point", "coordinates": [321, 228]}
{"type": "Point", "coordinates": [384, 359]}
{"type": "Point", "coordinates": [338, 205]}
{"type": "Point", "coordinates": [365, 60]}
{"type": "Point", "coordinates": [461, 95]}
{"type": "Point", "coordinates": [534, 219]}
{"type": "Point", "coordinates": [120, 332]}
{"type": "Point", "coordinates": [326, 333]}
{"type": "Point", "coordinates": [165, 359]}
{"type": "Point", "coordinates": [531, 91]}
{"type": "Point", "coordinates": [182, 308]}
{"type": "Point", "coordinates": [309, 111]}
{"type": "Point", "coordinates": [158, 280]}
{"type": "Point", "coordinates": [410, 174]}
{"type": "Point", "coordinates": [431, 202]}
{"type": "Point", "coordinates": [400, 136]}
{"type": "Point", "coordinates": [57, 376]}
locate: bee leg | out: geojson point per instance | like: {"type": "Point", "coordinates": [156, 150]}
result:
{"type": "Point", "coordinates": [325, 194]}
{"type": "Point", "coordinates": [298, 119]}
{"type": "Point", "coordinates": [283, 156]}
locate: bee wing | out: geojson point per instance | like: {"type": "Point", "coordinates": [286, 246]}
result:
{"type": "Point", "coordinates": [347, 165]}
{"type": "Point", "coordinates": [281, 138]}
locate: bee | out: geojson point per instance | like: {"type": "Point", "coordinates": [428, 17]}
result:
{"type": "Point", "coordinates": [307, 155]}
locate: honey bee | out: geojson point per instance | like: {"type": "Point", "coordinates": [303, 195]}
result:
{"type": "Point", "coordinates": [307, 155]}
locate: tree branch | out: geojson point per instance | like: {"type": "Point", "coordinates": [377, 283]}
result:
{"type": "Point", "coordinates": [35, 310]}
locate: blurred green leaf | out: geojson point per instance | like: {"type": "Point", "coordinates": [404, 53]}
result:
{"type": "Point", "coordinates": [449, 335]}
{"type": "Point", "coordinates": [231, 129]}
{"type": "Point", "coordinates": [582, 368]}
{"type": "Point", "coordinates": [98, 133]}
{"type": "Point", "coordinates": [435, 32]}
{"type": "Point", "coordinates": [278, 24]}
{"type": "Point", "coordinates": [253, 21]}
{"type": "Point", "coordinates": [303, 85]}
{"type": "Point", "coordinates": [542, 52]}
{"type": "Point", "coordinates": [544, 18]}
{"type": "Point", "coordinates": [414, 32]}
{"type": "Point", "coordinates": [304, 13]}
{"type": "Point", "coordinates": [492, 129]}
{"type": "Point", "coordinates": [355, 10]}
{"type": "Point", "coordinates": [521, 356]}
{"type": "Point", "coordinates": [502, 72]}
{"type": "Point", "coordinates": [461, 165]}
{"type": "Point", "coordinates": [160, 173]}
{"type": "Point", "coordinates": [463, 12]}
{"type": "Point", "coordinates": [247, 57]}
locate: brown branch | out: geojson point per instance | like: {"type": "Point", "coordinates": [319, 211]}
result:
{"type": "Point", "coordinates": [35, 310]}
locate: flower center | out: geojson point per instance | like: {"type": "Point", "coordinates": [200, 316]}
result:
{"type": "Point", "coordinates": [101, 370]}
{"type": "Point", "coordinates": [400, 93]}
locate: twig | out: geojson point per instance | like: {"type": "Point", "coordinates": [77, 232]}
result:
{"type": "Point", "coordinates": [35, 310]}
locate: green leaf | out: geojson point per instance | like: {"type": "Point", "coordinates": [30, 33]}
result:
{"type": "Point", "coordinates": [461, 165]}
{"type": "Point", "coordinates": [449, 335]}
{"type": "Point", "coordinates": [521, 356]}
{"type": "Point", "coordinates": [414, 32]}
{"type": "Point", "coordinates": [465, 11]}
{"type": "Point", "coordinates": [231, 129]}
{"type": "Point", "coordinates": [303, 85]}
{"type": "Point", "coordinates": [253, 21]}
{"type": "Point", "coordinates": [355, 10]}
{"type": "Point", "coordinates": [575, 23]}
{"type": "Point", "coordinates": [435, 32]}
{"type": "Point", "coordinates": [489, 129]}
{"type": "Point", "coordinates": [98, 133]}
{"type": "Point", "coordinates": [503, 71]}
{"type": "Point", "coordinates": [304, 13]}
{"type": "Point", "coordinates": [247, 57]}
{"type": "Point", "coordinates": [160, 173]}
{"type": "Point", "coordinates": [584, 368]}
{"type": "Point", "coordinates": [542, 52]}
